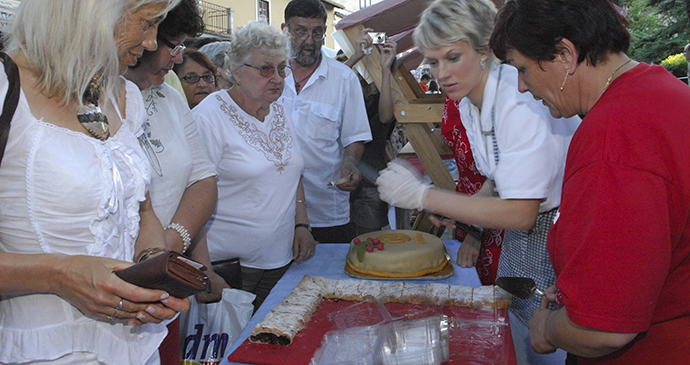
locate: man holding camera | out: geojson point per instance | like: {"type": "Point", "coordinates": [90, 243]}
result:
{"type": "Point", "coordinates": [327, 108]}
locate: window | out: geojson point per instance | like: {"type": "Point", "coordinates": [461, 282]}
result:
{"type": "Point", "coordinates": [263, 15]}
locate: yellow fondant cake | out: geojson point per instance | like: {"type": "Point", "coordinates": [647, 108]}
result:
{"type": "Point", "coordinates": [397, 253]}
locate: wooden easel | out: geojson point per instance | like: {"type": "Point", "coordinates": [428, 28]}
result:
{"type": "Point", "coordinates": [416, 111]}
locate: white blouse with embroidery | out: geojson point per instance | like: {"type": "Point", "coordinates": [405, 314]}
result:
{"type": "Point", "coordinates": [65, 192]}
{"type": "Point", "coordinates": [175, 140]}
{"type": "Point", "coordinates": [259, 166]}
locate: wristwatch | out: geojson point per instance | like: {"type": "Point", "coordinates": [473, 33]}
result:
{"type": "Point", "coordinates": [305, 225]}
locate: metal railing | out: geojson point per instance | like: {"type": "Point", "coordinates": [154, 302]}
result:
{"type": "Point", "coordinates": [218, 19]}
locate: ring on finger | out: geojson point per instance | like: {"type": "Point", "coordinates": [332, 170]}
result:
{"type": "Point", "coordinates": [119, 306]}
{"type": "Point", "coordinates": [111, 318]}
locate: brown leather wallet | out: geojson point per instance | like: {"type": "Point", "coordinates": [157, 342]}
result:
{"type": "Point", "coordinates": [177, 275]}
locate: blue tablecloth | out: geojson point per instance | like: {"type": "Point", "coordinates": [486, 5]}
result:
{"type": "Point", "coordinates": [329, 262]}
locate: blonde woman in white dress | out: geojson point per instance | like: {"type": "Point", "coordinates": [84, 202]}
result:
{"type": "Point", "coordinates": [74, 205]}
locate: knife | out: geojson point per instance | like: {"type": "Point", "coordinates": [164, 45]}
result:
{"type": "Point", "coordinates": [477, 232]}
{"type": "Point", "coordinates": [370, 174]}
{"type": "Point", "coordinates": [523, 288]}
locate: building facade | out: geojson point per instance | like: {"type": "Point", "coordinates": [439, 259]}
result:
{"type": "Point", "coordinates": [222, 17]}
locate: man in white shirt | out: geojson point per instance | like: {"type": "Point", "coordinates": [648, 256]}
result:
{"type": "Point", "coordinates": [327, 106]}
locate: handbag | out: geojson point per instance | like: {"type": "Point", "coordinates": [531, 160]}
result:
{"type": "Point", "coordinates": [172, 272]}
{"type": "Point", "coordinates": [230, 270]}
{"type": "Point", "coordinates": [11, 100]}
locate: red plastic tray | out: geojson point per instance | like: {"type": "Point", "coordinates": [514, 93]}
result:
{"type": "Point", "coordinates": [465, 348]}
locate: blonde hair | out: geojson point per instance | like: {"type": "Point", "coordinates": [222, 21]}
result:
{"type": "Point", "coordinates": [448, 21]}
{"type": "Point", "coordinates": [255, 36]}
{"type": "Point", "coordinates": [67, 42]}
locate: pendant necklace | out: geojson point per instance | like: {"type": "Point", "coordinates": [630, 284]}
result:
{"type": "Point", "coordinates": [608, 81]}
{"type": "Point", "coordinates": [298, 83]}
{"type": "Point", "coordinates": [90, 115]}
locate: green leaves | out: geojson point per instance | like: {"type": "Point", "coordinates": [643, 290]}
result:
{"type": "Point", "coordinates": [659, 28]}
{"type": "Point", "coordinates": [360, 249]}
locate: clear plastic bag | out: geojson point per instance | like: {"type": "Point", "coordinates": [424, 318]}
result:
{"type": "Point", "coordinates": [395, 334]}
{"type": "Point", "coordinates": [422, 341]}
{"type": "Point", "coordinates": [349, 346]}
{"type": "Point", "coordinates": [368, 330]}
{"type": "Point", "coordinates": [477, 341]}
{"type": "Point", "coordinates": [360, 314]}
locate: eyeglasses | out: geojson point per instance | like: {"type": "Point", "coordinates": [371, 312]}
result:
{"type": "Point", "coordinates": [303, 34]}
{"type": "Point", "coordinates": [193, 79]}
{"type": "Point", "coordinates": [268, 71]}
{"type": "Point", "coordinates": [174, 49]}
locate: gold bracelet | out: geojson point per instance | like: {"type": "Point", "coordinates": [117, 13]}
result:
{"type": "Point", "coordinates": [300, 201]}
{"type": "Point", "coordinates": [145, 254]}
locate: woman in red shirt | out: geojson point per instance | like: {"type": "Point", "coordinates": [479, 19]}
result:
{"type": "Point", "coordinates": [620, 243]}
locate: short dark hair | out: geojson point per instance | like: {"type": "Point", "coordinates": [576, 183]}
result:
{"type": "Point", "coordinates": [534, 27]}
{"type": "Point", "coordinates": [184, 18]}
{"type": "Point", "coordinates": [305, 9]}
{"type": "Point", "coordinates": [198, 57]}
{"type": "Point", "coordinates": [425, 77]}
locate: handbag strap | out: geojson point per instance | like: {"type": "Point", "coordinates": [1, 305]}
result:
{"type": "Point", "coordinates": [11, 100]}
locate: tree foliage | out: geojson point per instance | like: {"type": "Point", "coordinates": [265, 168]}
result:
{"type": "Point", "coordinates": [659, 28]}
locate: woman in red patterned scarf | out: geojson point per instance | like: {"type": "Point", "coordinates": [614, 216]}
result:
{"type": "Point", "coordinates": [483, 255]}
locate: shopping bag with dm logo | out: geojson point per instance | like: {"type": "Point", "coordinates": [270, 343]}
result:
{"type": "Point", "coordinates": [208, 330]}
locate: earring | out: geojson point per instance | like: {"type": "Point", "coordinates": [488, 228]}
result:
{"type": "Point", "coordinates": [482, 63]}
{"type": "Point", "coordinates": [567, 71]}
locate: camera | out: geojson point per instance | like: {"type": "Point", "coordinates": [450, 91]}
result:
{"type": "Point", "coordinates": [378, 37]}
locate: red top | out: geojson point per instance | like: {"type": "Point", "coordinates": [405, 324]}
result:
{"type": "Point", "coordinates": [470, 182]}
{"type": "Point", "coordinates": [620, 245]}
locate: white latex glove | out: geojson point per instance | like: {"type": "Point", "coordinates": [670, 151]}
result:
{"type": "Point", "coordinates": [400, 187]}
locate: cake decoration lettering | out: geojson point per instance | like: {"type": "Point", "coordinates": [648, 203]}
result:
{"type": "Point", "coordinates": [394, 237]}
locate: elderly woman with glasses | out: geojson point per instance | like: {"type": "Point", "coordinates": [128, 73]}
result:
{"type": "Point", "coordinates": [197, 75]}
{"type": "Point", "coordinates": [250, 139]}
